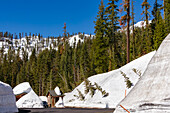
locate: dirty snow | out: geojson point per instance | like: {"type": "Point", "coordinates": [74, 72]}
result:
{"type": "Point", "coordinates": [112, 82]}
{"type": "Point", "coordinates": [152, 93]}
{"type": "Point", "coordinates": [7, 99]}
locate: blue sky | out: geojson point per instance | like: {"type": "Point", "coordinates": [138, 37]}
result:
{"type": "Point", "coordinates": [48, 16]}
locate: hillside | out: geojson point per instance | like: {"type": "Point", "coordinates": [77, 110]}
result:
{"type": "Point", "coordinates": [112, 82]}
{"type": "Point", "coordinates": [30, 42]}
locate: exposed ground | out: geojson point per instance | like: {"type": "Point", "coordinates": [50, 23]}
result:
{"type": "Point", "coordinates": [65, 110]}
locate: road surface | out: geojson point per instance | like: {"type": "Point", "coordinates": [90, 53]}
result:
{"type": "Point", "coordinates": [65, 110]}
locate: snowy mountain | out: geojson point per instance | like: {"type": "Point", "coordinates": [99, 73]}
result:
{"type": "Point", "coordinates": [152, 93]}
{"type": "Point", "coordinates": [138, 24]}
{"type": "Point", "coordinates": [29, 43]}
{"type": "Point", "coordinates": [111, 84]}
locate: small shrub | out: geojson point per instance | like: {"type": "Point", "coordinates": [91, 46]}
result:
{"type": "Point", "coordinates": [86, 83]}
{"type": "Point", "coordinates": [81, 97]}
{"type": "Point", "coordinates": [138, 72]}
{"type": "Point", "coordinates": [100, 89]}
{"type": "Point", "coordinates": [128, 82]}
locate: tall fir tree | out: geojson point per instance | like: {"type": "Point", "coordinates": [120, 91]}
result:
{"type": "Point", "coordinates": [99, 43]}
{"type": "Point", "coordinates": [112, 27]}
{"type": "Point", "coordinates": [159, 33]}
{"type": "Point", "coordinates": [146, 6]}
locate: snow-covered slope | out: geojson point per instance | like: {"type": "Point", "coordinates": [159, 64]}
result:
{"type": "Point", "coordinates": [29, 43]}
{"type": "Point", "coordinates": [76, 38]}
{"type": "Point", "coordinates": [138, 24]}
{"type": "Point", "coordinates": [30, 100]}
{"type": "Point", "coordinates": [7, 99]}
{"type": "Point", "coordinates": [152, 93]}
{"type": "Point", "coordinates": [112, 82]}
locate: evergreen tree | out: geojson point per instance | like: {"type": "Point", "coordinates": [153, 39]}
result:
{"type": "Point", "coordinates": [159, 33]}
{"type": "Point", "coordinates": [123, 20]}
{"type": "Point", "coordinates": [84, 61]}
{"type": "Point", "coordinates": [167, 16]}
{"type": "Point", "coordinates": [146, 6]}
{"type": "Point", "coordinates": [100, 47]}
{"type": "Point", "coordinates": [112, 26]}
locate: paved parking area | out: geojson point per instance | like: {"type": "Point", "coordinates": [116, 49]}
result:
{"type": "Point", "coordinates": [65, 110]}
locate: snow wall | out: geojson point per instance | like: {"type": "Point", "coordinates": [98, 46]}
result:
{"type": "Point", "coordinates": [152, 93]}
{"type": "Point", "coordinates": [7, 99]}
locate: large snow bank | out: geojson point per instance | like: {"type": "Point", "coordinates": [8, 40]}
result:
{"type": "Point", "coordinates": [7, 99]}
{"type": "Point", "coordinates": [112, 82]}
{"type": "Point", "coordinates": [30, 100]}
{"type": "Point", "coordinates": [152, 93]}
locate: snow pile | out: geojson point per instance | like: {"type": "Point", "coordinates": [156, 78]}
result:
{"type": "Point", "coordinates": [113, 83]}
{"type": "Point", "coordinates": [7, 99]}
{"type": "Point", "coordinates": [59, 103]}
{"type": "Point", "coordinates": [30, 100]}
{"type": "Point", "coordinates": [152, 93]}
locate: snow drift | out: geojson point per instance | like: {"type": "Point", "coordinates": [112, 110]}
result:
{"type": "Point", "coordinates": [7, 99]}
{"type": "Point", "coordinates": [152, 93]}
{"type": "Point", "coordinates": [30, 100]}
{"type": "Point", "coordinates": [113, 83]}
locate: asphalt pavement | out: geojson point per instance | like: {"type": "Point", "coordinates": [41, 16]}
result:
{"type": "Point", "coordinates": [65, 110]}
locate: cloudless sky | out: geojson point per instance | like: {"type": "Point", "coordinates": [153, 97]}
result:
{"type": "Point", "coordinates": [48, 16]}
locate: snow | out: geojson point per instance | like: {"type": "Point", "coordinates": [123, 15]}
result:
{"type": "Point", "coordinates": [7, 99]}
{"type": "Point", "coordinates": [76, 38]}
{"type": "Point", "coordinates": [57, 91]}
{"type": "Point", "coordinates": [59, 103]}
{"type": "Point", "coordinates": [112, 82]}
{"type": "Point", "coordinates": [152, 93]}
{"type": "Point", "coordinates": [34, 42]}
{"type": "Point", "coordinates": [43, 98]}
{"type": "Point", "coordinates": [138, 24]}
{"type": "Point", "coordinates": [30, 100]}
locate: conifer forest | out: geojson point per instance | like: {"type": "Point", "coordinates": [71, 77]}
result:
{"type": "Point", "coordinates": [116, 42]}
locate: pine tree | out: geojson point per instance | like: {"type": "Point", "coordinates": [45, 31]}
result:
{"type": "Point", "coordinates": [167, 16]}
{"type": "Point", "coordinates": [65, 32]}
{"type": "Point", "coordinates": [133, 29]}
{"type": "Point", "coordinates": [123, 20]}
{"type": "Point", "coordinates": [112, 26]}
{"type": "Point", "coordinates": [99, 45]}
{"type": "Point", "coordinates": [84, 61]}
{"type": "Point", "coordinates": [146, 6]}
{"type": "Point", "coordinates": [159, 33]}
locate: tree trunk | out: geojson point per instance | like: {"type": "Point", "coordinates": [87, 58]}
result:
{"type": "Point", "coordinates": [133, 28]}
{"type": "Point", "coordinates": [128, 31]}
{"type": "Point", "coordinates": [146, 13]}
{"type": "Point", "coordinates": [164, 9]}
